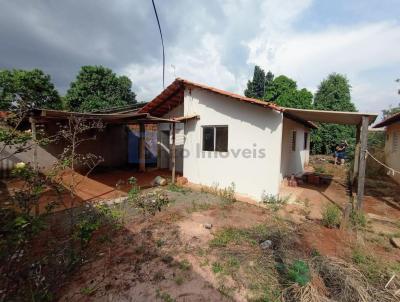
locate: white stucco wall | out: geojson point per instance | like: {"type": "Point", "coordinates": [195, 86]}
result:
{"type": "Point", "coordinates": [293, 162]}
{"type": "Point", "coordinates": [392, 149]}
{"type": "Point", "coordinates": [251, 131]}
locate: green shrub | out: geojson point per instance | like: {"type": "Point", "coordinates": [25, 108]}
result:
{"type": "Point", "coordinates": [217, 267]}
{"type": "Point", "coordinates": [331, 216]}
{"type": "Point", "coordinates": [299, 272]}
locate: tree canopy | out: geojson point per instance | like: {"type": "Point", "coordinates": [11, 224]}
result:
{"type": "Point", "coordinates": [283, 91]}
{"type": "Point", "coordinates": [333, 94]}
{"type": "Point", "coordinates": [257, 86]}
{"type": "Point", "coordinates": [32, 88]}
{"type": "Point", "coordinates": [97, 87]}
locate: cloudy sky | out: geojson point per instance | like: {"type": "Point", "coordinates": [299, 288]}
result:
{"type": "Point", "coordinates": [212, 42]}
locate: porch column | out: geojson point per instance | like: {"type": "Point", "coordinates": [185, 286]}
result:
{"type": "Point", "coordinates": [356, 156]}
{"type": "Point", "coordinates": [362, 161]}
{"type": "Point", "coordinates": [173, 153]}
{"type": "Point", "coordinates": [35, 157]}
{"type": "Point", "coordinates": [142, 148]}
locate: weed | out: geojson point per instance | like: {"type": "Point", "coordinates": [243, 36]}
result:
{"type": "Point", "coordinates": [217, 267]}
{"type": "Point", "coordinates": [160, 243]}
{"type": "Point", "coordinates": [358, 219]}
{"type": "Point", "coordinates": [225, 290]}
{"type": "Point", "coordinates": [274, 201]}
{"type": "Point", "coordinates": [185, 265]}
{"type": "Point", "coordinates": [164, 296]}
{"type": "Point", "coordinates": [228, 194]}
{"type": "Point", "coordinates": [85, 228]}
{"type": "Point", "coordinates": [179, 280]}
{"type": "Point", "coordinates": [331, 216]}
{"type": "Point", "coordinates": [88, 290]}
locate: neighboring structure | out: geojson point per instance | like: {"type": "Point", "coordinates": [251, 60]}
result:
{"type": "Point", "coordinates": [392, 143]}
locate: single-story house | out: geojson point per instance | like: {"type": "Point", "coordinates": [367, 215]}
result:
{"type": "Point", "coordinates": [227, 138]}
{"type": "Point", "coordinates": [392, 143]}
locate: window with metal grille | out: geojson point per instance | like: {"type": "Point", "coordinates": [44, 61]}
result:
{"type": "Point", "coordinates": [294, 134]}
{"type": "Point", "coordinates": [215, 138]}
{"type": "Point", "coordinates": [395, 141]}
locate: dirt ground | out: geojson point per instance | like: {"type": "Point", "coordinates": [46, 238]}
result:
{"type": "Point", "coordinates": [172, 256]}
{"type": "Point", "coordinates": [169, 256]}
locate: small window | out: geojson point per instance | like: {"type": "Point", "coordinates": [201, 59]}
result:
{"type": "Point", "coordinates": [305, 140]}
{"type": "Point", "coordinates": [215, 138]}
{"type": "Point", "coordinates": [395, 141]}
{"type": "Point", "coordinates": [294, 134]}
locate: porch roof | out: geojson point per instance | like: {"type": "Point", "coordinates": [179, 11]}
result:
{"type": "Point", "coordinates": [388, 121]}
{"type": "Point", "coordinates": [43, 115]}
{"type": "Point", "coordinates": [334, 117]}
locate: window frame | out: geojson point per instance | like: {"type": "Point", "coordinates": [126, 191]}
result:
{"type": "Point", "coordinates": [395, 141]}
{"type": "Point", "coordinates": [214, 127]}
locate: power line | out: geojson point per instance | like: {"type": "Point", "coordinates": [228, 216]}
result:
{"type": "Point", "coordinates": [162, 43]}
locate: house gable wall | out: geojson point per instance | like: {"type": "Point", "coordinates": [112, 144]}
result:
{"type": "Point", "coordinates": [252, 162]}
{"type": "Point", "coordinates": [392, 153]}
{"type": "Point", "coordinates": [293, 162]}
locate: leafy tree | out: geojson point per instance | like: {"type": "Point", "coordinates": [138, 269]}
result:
{"type": "Point", "coordinates": [256, 87]}
{"type": "Point", "coordinates": [333, 94]}
{"type": "Point", "coordinates": [97, 87]}
{"type": "Point", "coordinates": [283, 91]}
{"type": "Point", "coordinates": [32, 88]}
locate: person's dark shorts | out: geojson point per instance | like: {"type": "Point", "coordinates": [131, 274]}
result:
{"type": "Point", "coordinates": [340, 155]}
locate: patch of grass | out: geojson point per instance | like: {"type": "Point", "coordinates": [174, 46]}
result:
{"type": "Point", "coordinates": [179, 189]}
{"type": "Point", "coordinates": [331, 216]}
{"type": "Point", "coordinates": [251, 236]}
{"type": "Point", "coordinates": [198, 207]}
{"type": "Point", "coordinates": [370, 267]}
{"type": "Point", "coordinates": [299, 272]}
{"type": "Point", "coordinates": [230, 235]}
{"type": "Point", "coordinates": [319, 169]}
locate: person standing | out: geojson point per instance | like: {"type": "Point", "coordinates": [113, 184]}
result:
{"type": "Point", "coordinates": [340, 152]}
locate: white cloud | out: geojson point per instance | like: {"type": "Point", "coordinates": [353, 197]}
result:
{"type": "Point", "coordinates": [268, 32]}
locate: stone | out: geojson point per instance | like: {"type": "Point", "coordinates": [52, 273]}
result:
{"type": "Point", "coordinates": [159, 181]}
{"type": "Point", "coordinates": [266, 244]}
{"type": "Point", "coordinates": [208, 226]}
{"type": "Point", "coordinates": [181, 180]}
{"type": "Point", "coordinates": [395, 242]}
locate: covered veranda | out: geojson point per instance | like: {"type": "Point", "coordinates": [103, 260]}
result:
{"type": "Point", "coordinates": [111, 182]}
{"type": "Point", "coordinates": [358, 119]}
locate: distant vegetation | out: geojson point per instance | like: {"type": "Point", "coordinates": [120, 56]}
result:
{"type": "Point", "coordinates": [333, 94]}
{"type": "Point", "coordinates": [95, 88]}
